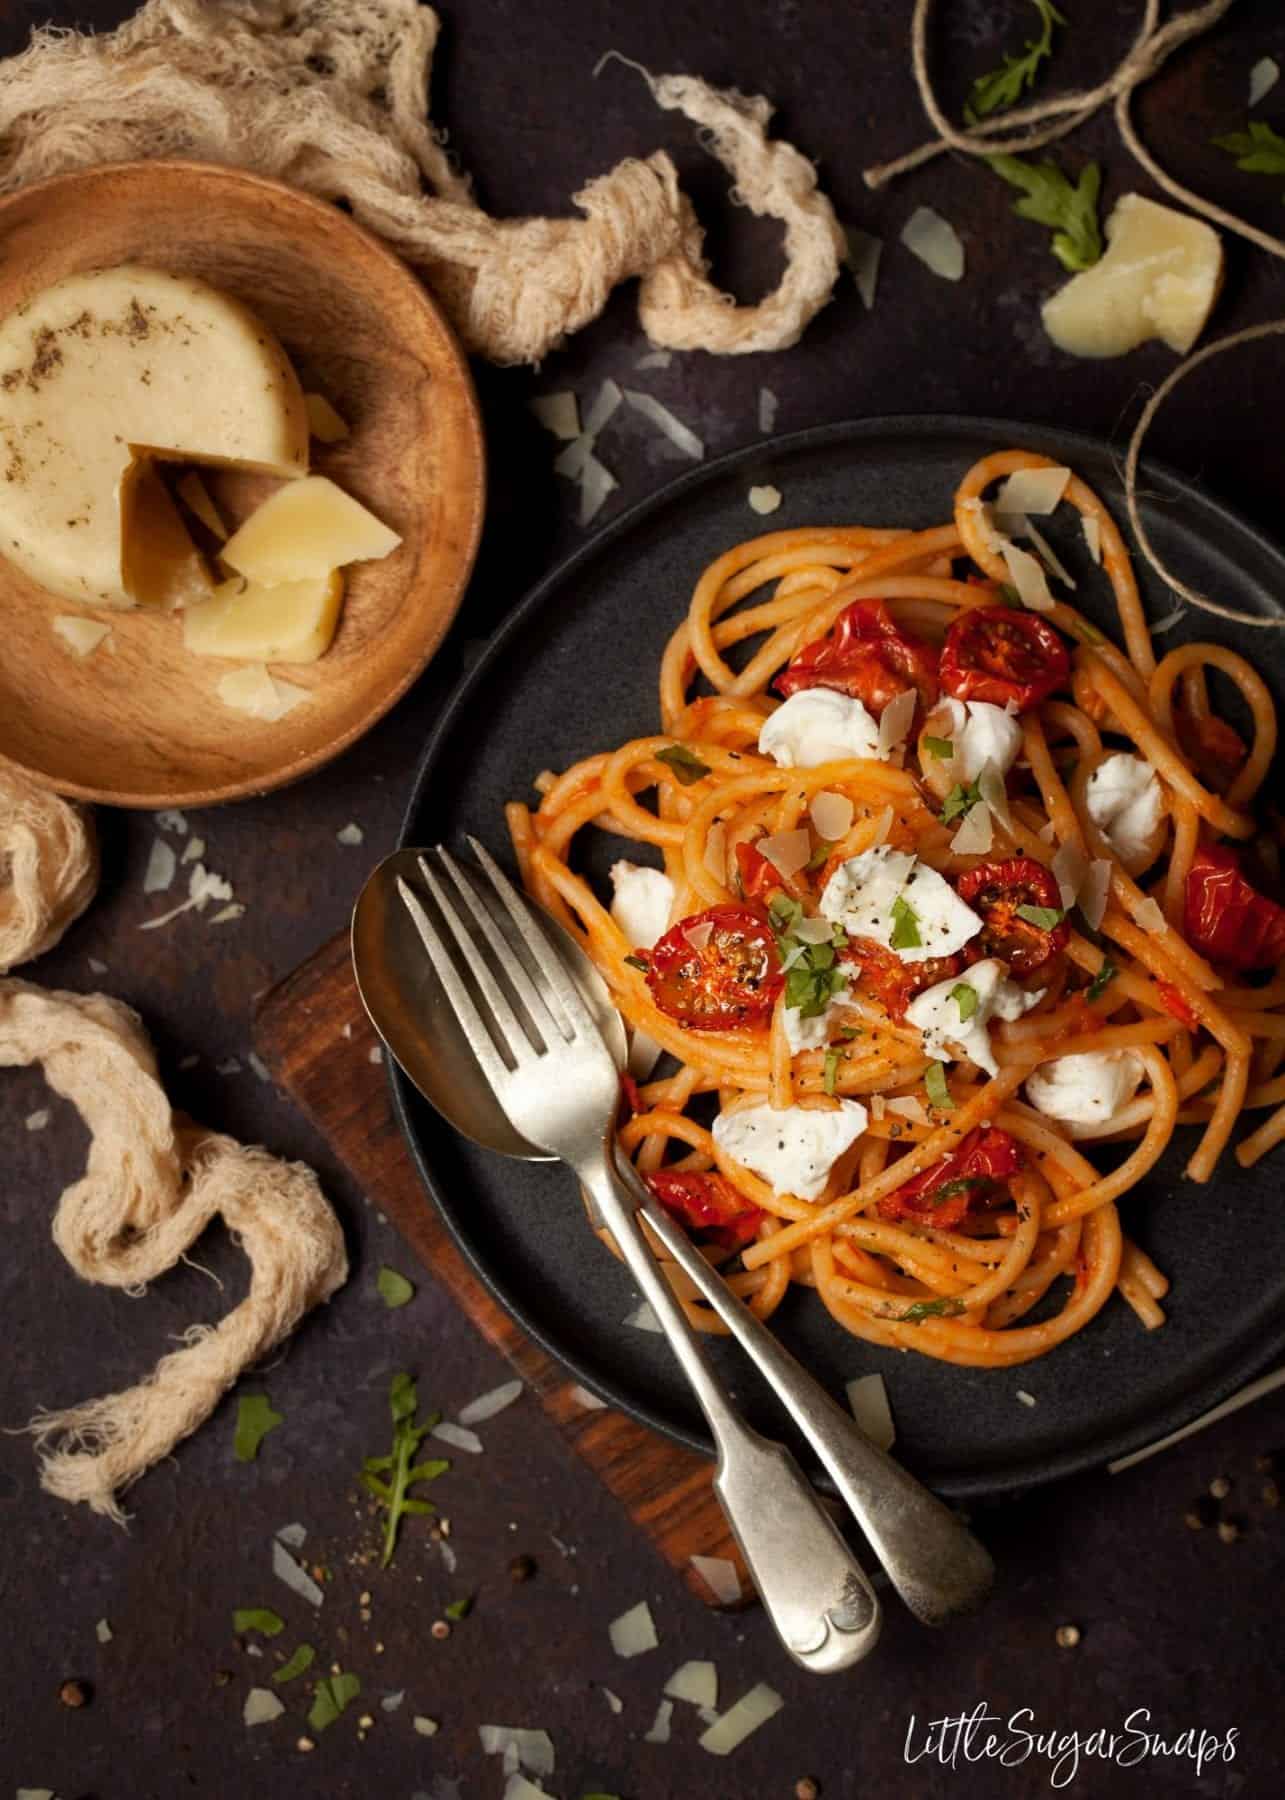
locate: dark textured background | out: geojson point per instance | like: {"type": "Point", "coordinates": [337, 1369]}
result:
{"type": "Point", "coordinates": [1172, 1620]}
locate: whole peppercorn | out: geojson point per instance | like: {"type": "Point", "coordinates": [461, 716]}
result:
{"type": "Point", "coordinates": [74, 1693]}
{"type": "Point", "coordinates": [1067, 1637]}
{"type": "Point", "coordinates": [439, 1629]}
{"type": "Point", "coordinates": [1228, 1531]}
{"type": "Point", "coordinates": [522, 1568]}
{"type": "Point", "coordinates": [806, 1789]}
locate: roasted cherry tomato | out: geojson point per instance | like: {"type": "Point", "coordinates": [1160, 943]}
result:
{"type": "Point", "coordinates": [708, 1204]}
{"type": "Point", "coordinates": [759, 880]}
{"type": "Point", "coordinates": [1226, 918]}
{"type": "Point", "coordinates": [718, 979]}
{"type": "Point", "coordinates": [942, 1195]}
{"type": "Point", "coordinates": [994, 653]}
{"type": "Point", "coordinates": [1215, 747]}
{"type": "Point", "coordinates": [866, 656]}
{"type": "Point", "coordinates": [891, 981]}
{"type": "Point", "coordinates": [997, 890]}
{"type": "Point", "coordinates": [1176, 1006]}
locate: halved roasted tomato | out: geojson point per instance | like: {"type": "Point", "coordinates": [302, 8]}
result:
{"type": "Point", "coordinates": [708, 1204]}
{"type": "Point", "coordinates": [717, 970]}
{"type": "Point", "coordinates": [867, 656]}
{"type": "Point", "coordinates": [1021, 908]}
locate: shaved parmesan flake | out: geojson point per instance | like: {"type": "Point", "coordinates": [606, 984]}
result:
{"type": "Point", "coordinates": [906, 1106]}
{"type": "Point", "coordinates": [1027, 576]}
{"type": "Point", "coordinates": [571, 461]}
{"type": "Point", "coordinates": [720, 1577]}
{"type": "Point", "coordinates": [392, 1702]}
{"type": "Point", "coordinates": [260, 1068]}
{"type": "Point", "coordinates": [976, 834]}
{"type": "Point", "coordinates": [695, 1682]}
{"type": "Point", "coordinates": [173, 820]}
{"type": "Point", "coordinates": [161, 865]}
{"type": "Point", "coordinates": [1032, 491]}
{"type": "Point", "coordinates": [324, 423]}
{"type": "Point", "coordinates": [458, 1437]}
{"type": "Point", "coordinates": [261, 1707]}
{"type": "Point", "coordinates": [519, 1788]}
{"type": "Point", "coordinates": [734, 1726]}
{"type": "Point", "coordinates": [298, 1580]}
{"type": "Point", "coordinates": [990, 784]}
{"type": "Point", "coordinates": [487, 1405]}
{"type": "Point", "coordinates": [895, 721]}
{"type": "Point", "coordinates": [81, 636]}
{"type": "Point", "coordinates": [1150, 917]}
{"type": "Point", "coordinates": [590, 1402]}
{"type": "Point", "coordinates": [534, 1749]}
{"type": "Point", "coordinates": [254, 691]}
{"type": "Point", "coordinates": [991, 536]}
{"type": "Point", "coordinates": [864, 252]}
{"type": "Point", "coordinates": [1070, 870]}
{"type": "Point", "coordinates": [596, 483]}
{"type": "Point", "coordinates": [764, 500]}
{"type": "Point", "coordinates": [558, 413]}
{"type": "Point", "coordinates": [203, 885]}
{"type": "Point", "coordinates": [814, 931]}
{"type": "Point", "coordinates": [642, 1318]}
{"type": "Point", "coordinates": [229, 1066]}
{"type": "Point", "coordinates": [659, 1733]}
{"type": "Point", "coordinates": [767, 411]}
{"type": "Point", "coordinates": [350, 834]}
{"type": "Point", "coordinates": [103, 1632]}
{"type": "Point", "coordinates": [1093, 893]}
{"type": "Point", "coordinates": [227, 913]}
{"type": "Point", "coordinates": [832, 816]}
{"type": "Point", "coordinates": [25, 1793]}
{"type": "Point", "coordinates": [679, 435]}
{"type": "Point", "coordinates": [424, 1726]}
{"type": "Point", "coordinates": [605, 404]}
{"type": "Point", "coordinates": [1170, 619]}
{"type": "Point", "coordinates": [655, 359]}
{"type": "Point", "coordinates": [868, 1399]}
{"type": "Point", "coordinates": [634, 1632]}
{"type": "Point", "coordinates": [1263, 77]}
{"type": "Point", "coordinates": [614, 1703]}
{"type": "Point", "coordinates": [1050, 556]}
{"type": "Point", "coordinates": [193, 850]}
{"type": "Point", "coordinates": [1025, 1398]}
{"type": "Point", "coordinates": [294, 1536]}
{"type": "Point", "coordinates": [698, 936]}
{"type": "Point", "coordinates": [96, 967]}
{"type": "Point", "coordinates": [935, 242]}
{"type": "Point", "coordinates": [787, 851]}
{"type": "Point", "coordinates": [883, 825]}
{"type": "Point", "coordinates": [1092, 529]}
{"type": "Point", "coordinates": [36, 1121]}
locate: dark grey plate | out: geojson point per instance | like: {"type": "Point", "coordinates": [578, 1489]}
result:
{"type": "Point", "coordinates": [573, 670]}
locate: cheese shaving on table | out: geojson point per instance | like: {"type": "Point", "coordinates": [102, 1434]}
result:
{"type": "Point", "coordinates": [937, 1013]}
{"type": "Point", "coordinates": [764, 500]}
{"type": "Point", "coordinates": [863, 256]}
{"type": "Point", "coordinates": [684, 440]}
{"type": "Point", "coordinates": [935, 242]}
{"type": "Point", "coordinates": [149, 1190]}
{"type": "Point", "coordinates": [1032, 491]}
{"type": "Point", "coordinates": [792, 1148]}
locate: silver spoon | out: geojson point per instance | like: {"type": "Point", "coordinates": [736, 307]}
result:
{"type": "Point", "coordinates": [935, 1563]}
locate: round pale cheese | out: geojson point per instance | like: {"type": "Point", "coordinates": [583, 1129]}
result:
{"type": "Point", "coordinates": [99, 375]}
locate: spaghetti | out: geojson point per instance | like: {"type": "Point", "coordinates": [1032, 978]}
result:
{"type": "Point", "coordinates": [951, 886]}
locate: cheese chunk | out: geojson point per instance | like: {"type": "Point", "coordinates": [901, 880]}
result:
{"type": "Point", "coordinates": [1159, 278]}
{"type": "Point", "coordinates": [160, 565]}
{"type": "Point", "coordinates": [939, 1012]}
{"type": "Point", "coordinates": [105, 370]}
{"type": "Point", "coordinates": [863, 895]}
{"type": "Point", "coordinates": [980, 733]}
{"type": "Point", "coordinates": [324, 422]}
{"type": "Point", "coordinates": [814, 1033]}
{"type": "Point", "coordinates": [818, 725]}
{"type": "Point", "coordinates": [641, 902]}
{"type": "Point", "coordinates": [304, 530]}
{"type": "Point", "coordinates": [794, 1148]}
{"type": "Point", "coordinates": [293, 622]}
{"type": "Point", "coordinates": [1127, 804]}
{"type": "Point", "coordinates": [1088, 1089]}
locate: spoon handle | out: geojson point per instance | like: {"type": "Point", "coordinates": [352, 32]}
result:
{"type": "Point", "coordinates": [933, 1560]}
{"type": "Point", "coordinates": [813, 1589]}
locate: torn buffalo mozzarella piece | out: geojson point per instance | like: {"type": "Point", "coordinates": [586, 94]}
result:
{"type": "Point", "coordinates": [812, 1033]}
{"type": "Point", "coordinates": [792, 1148]}
{"type": "Point", "coordinates": [955, 1016]}
{"type": "Point", "coordinates": [1127, 804]}
{"type": "Point", "coordinates": [901, 903]}
{"type": "Point", "coordinates": [1086, 1090]}
{"type": "Point", "coordinates": [818, 725]}
{"type": "Point", "coordinates": [641, 902]}
{"type": "Point", "coordinates": [979, 733]}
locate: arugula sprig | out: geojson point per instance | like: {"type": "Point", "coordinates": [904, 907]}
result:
{"type": "Point", "coordinates": [1004, 87]}
{"type": "Point", "coordinates": [390, 1478]}
{"type": "Point", "coordinates": [812, 973]}
{"type": "Point", "coordinates": [1069, 209]}
{"type": "Point", "coordinates": [1258, 149]}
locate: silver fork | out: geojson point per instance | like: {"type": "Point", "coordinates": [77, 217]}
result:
{"type": "Point", "coordinates": [537, 1043]}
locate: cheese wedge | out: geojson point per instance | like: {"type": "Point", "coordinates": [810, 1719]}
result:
{"type": "Point", "coordinates": [194, 494]}
{"type": "Point", "coordinates": [160, 565]}
{"type": "Point", "coordinates": [303, 531]}
{"type": "Point", "coordinates": [1159, 278]}
{"type": "Point", "coordinates": [293, 622]}
{"type": "Point", "coordinates": [104, 372]}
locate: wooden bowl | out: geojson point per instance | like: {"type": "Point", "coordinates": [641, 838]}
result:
{"type": "Point", "coordinates": [139, 722]}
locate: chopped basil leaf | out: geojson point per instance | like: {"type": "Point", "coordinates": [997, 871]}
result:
{"type": "Point", "coordinates": [258, 1618]}
{"type": "Point", "coordinates": [1009, 596]}
{"type": "Point", "coordinates": [833, 1057]}
{"type": "Point", "coordinates": [1102, 980]}
{"type": "Point", "coordinates": [394, 1289]}
{"type": "Point", "coordinates": [254, 1420]}
{"type": "Point", "coordinates": [638, 962]}
{"type": "Point", "coordinates": [1001, 88]}
{"type": "Point", "coordinates": [849, 1032]}
{"type": "Point", "coordinates": [330, 1696]}
{"type": "Point", "coordinates": [819, 857]}
{"type": "Point", "coordinates": [943, 1308]}
{"type": "Point", "coordinates": [302, 1659]}
{"type": "Point", "coordinates": [958, 801]}
{"type": "Point", "coordinates": [965, 998]}
{"type": "Point", "coordinates": [390, 1478]}
{"type": "Point", "coordinates": [935, 1087]}
{"type": "Point", "coordinates": [962, 1184]}
{"type": "Point", "coordinates": [784, 912]}
{"type": "Point", "coordinates": [812, 977]}
{"type": "Point", "coordinates": [687, 766]}
{"type": "Point", "coordinates": [905, 926]}
{"type": "Point", "coordinates": [458, 1609]}
{"type": "Point", "coordinates": [942, 748]}
{"type": "Point", "coordinates": [1046, 917]}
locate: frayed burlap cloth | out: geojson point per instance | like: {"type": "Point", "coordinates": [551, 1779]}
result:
{"type": "Point", "coordinates": [332, 96]}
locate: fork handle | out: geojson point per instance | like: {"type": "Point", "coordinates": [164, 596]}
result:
{"type": "Point", "coordinates": [932, 1559]}
{"type": "Point", "coordinates": [813, 1589]}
